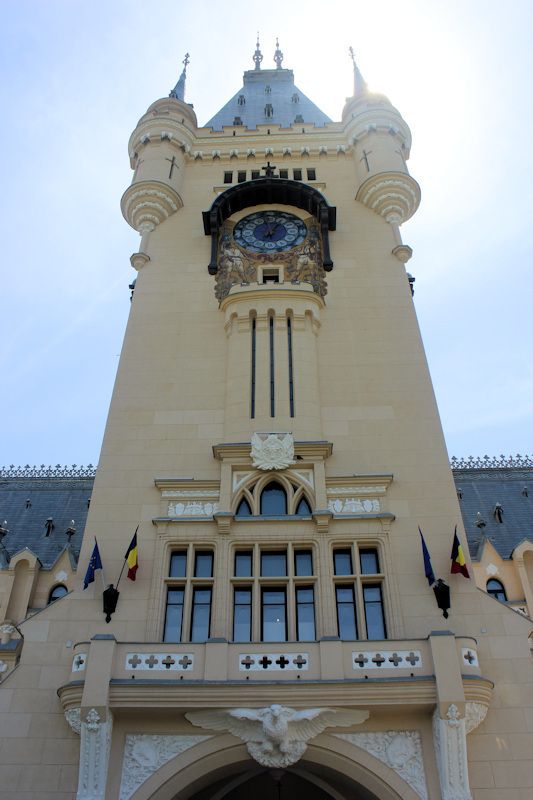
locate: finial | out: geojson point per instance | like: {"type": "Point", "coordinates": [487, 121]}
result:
{"type": "Point", "coordinates": [359, 85]}
{"type": "Point", "coordinates": [178, 92]}
{"type": "Point", "coordinates": [258, 56]}
{"type": "Point", "coordinates": [278, 55]}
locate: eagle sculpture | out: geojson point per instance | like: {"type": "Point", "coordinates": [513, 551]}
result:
{"type": "Point", "coordinates": [276, 736]}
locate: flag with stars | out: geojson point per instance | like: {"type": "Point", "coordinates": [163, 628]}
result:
{"type": "Point", "coordinates": [95, 562]}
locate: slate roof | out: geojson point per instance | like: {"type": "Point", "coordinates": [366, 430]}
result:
{"type": "Point", "coordinates": [481, 489]}
{"type": "Point", "coordinates": [63, 499]}
{"type": "Point", "coordinates": [276, 88]}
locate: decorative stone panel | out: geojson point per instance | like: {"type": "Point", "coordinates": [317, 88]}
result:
{"type": "Point", "coordinates": [399, 750]}
{"type": "Point", "coordinates": [146, 753]}
{"type": "Point", "coordinates": [387, 659]}
{"type": "Point", "coordinates": [273, 662]}
{"type": "Point", "coordinates": [157, 662]}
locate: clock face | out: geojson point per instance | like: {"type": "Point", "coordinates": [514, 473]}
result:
{"type": "Point", "coordinates": [269, 232]}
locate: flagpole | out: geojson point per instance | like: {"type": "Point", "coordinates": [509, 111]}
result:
{"type": "Point", "coordinates": [121, 571]}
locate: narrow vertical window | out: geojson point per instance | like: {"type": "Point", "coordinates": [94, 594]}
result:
{"type": "Point", "coordinates": [305, 614]}
{"type": "Point", "coordinates": [174, 615]}
{"type": "Point", "coordinates": [272, 387]}
{"type": "Point", "coordinates": [291, 372]}
{"type": "Point", "coordinates": [252, 387]}
{"type": "Point", "coordinates": [346, 612]}
{"type": "Point", "coordinates": [201, 615]}
{"type": "Point", "coordinates": [274, 615]}
{"type": "Point", "coordinates": [242, 615]}
{"type": "Point", "coordinates": [375, 621]}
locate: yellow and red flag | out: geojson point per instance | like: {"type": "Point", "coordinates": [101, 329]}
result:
{"type": "Point", "coordinates": [458, 557]}
{"type": "Point", "coordinates": [132, 556]}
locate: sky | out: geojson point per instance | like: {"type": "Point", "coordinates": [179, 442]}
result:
{"type": "Point", "coordinates": [75, 78]}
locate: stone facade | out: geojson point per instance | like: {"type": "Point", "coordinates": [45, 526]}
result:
{"type": "Point", "coordinates": [278, 448]}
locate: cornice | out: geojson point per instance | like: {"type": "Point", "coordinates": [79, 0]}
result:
{"type": "Point", "coordinates": [309, 451]}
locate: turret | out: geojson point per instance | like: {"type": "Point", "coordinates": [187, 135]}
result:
{"type": "Point", "coordinates": [381, 142]}
{"type": "Point", "coordinates": [158, 148]}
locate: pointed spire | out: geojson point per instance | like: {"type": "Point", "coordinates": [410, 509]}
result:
{"type": "Point", "coordinates": [278, 55]}
{"type": "Point", "coordinates": [258, 55]}
{"type": "Point", "coordinates": [178, 92]}
{"type": "Point", "coordinates": [359, 84]}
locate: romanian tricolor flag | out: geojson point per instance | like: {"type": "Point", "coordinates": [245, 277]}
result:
{"type": "Point", "coordinates": [132, 556]}
{"type": "Point", "coordinates": [458, 557]}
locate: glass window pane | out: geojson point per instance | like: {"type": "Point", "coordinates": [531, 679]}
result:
{"type": "Point", "coordinates": [273, 564]}
{"type": "Point", "coordinates": [174, 615]}
{"type": "Point", "coordinates": [243, 509]}
{"type": "Point", "coordinates": [305, 614]}
{"type": "Point", "coordinates": [178, 565]}
{"type": "Point", "coordinates": [242, 615]}
{"type": "Point", "coordinates": [304, 509]}
{"type": "Point", "coordinates": [201, 612]}
{"type": "Point", "coordinates": [274, 628]}
{"type": "Point", "coordinates": [273, 500]}
{"type": "Point", "coordinates": [303, 562]}
{"type": "Point", "coordinates": [369, 562]}
{"type": "Point", "coordinates": [375, 623]}
{"type": "Point", "coordinates": [342, 560]}
{"type": "Point", "coordinates": [346, 612]}
{"type": "Point", "coordinates": [203, 565]}
{"type": "Point", "coordinates": [243, 564]}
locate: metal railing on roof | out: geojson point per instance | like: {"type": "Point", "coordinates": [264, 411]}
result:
{"type": "Point", "coordinates": [491, 462]}
{"type": "Point", "coordinates": [43, 471]}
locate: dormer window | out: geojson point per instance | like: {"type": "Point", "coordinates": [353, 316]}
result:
{"type": "Point", "coordinates": [295, 98]}
{"type": "Point", "coordinates": [269, 111]}
{"type": "Point", "coordinates": [268, 89]}
{"type": "Point", "coordinates": [237, 121]}
{"type": "Point", "coordinates": [298, 118]}
{"type": "Point", "coordinates": [241, 100]}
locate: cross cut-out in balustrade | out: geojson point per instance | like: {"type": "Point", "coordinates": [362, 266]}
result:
{"type": "Point", "coordinates": [378, 660]}
{"type": "Point", "coordinates": [247, 662]}
{"type": "Point", "coordinates": [185, 662]}
{"type": "Point", "coordinates": [412, 658]}
{"type": "Point", "coordinates": [152, 661]}
{"type": "Point", "coordinates": [395, 659]}
{"type": "Point", "coordinates": [168, 661]}
{"type": "Point", "coordinates": [300, 661]}
{"type": "Point", "coordinates": [79, 661]}
{"type": "Point", "coordinates": [282, 661]}
{"type": "Point", "coordinates": [265, 662]}
{"type": "Point", "coordinates": [135, 661]}
{"type": "Point", "coordinates": [361, 660]}
{"type": "Point", "coordinates": [469, 656]}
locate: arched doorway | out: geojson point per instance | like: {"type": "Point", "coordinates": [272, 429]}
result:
{"type": "Point", "coordinates": [220, 770]}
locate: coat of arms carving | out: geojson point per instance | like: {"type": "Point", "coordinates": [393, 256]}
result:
{"type": "Point", "coordinates": [272, 450]}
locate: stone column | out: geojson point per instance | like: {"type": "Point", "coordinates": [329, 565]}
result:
{"type": "Point", "coordinates": [95, 745]}
{"type": "Point", "coordinates": [449, 737]}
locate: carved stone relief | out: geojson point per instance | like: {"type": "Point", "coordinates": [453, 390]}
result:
{"type": "Point", "coordinates": [146, 753]}
{"type": "Point", "coordinates": [276, 736]}
{"type": "Point", "coordinates": [192, 508]}
{"type": "Point", "coordinates": [272, 450]}
{"type": "Point", "coordinates": [302, 263]}
{"type": "Point", "coordinates": [399, 750]}
{"type": "Point", "coordinates": [475, 713]}
{"type": "Point", "coordinates": [72, 716]}
{"type": "Point", "coordinates": [354, 505]}
{"type": "Point", "coordinates": [449, 738]}
{"type": "Point", "coordinates": [94, 756]}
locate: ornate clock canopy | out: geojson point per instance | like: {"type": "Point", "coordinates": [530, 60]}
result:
{"type": "Point", "coordinates": [269, 191]}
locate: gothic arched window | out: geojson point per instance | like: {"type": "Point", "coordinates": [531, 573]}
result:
{"type": "Point", "coordinates": [57, 592]}
{"type": "Point", "coordinates": [303, 509]}
{"type": "Point", "coordinates": [273, 500]}
{"type": "Point", "coordinates": [243, 509]}
{"type": "Point", "coordinates": [496, 589]}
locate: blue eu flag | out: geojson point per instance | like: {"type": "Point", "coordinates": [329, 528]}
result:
{"type": "Point", "coordinates": [95, 563]}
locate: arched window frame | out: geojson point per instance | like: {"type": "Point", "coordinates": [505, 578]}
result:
{"type": "Point", "coordinates": [495, 590]}
{"type": "Point", "coordinates": [295, 489]}
{"type": "Point", "coordinates": [53, 589]}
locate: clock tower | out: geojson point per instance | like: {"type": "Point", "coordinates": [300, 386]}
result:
{"type": "Point", "coordinates": [274, 441]}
